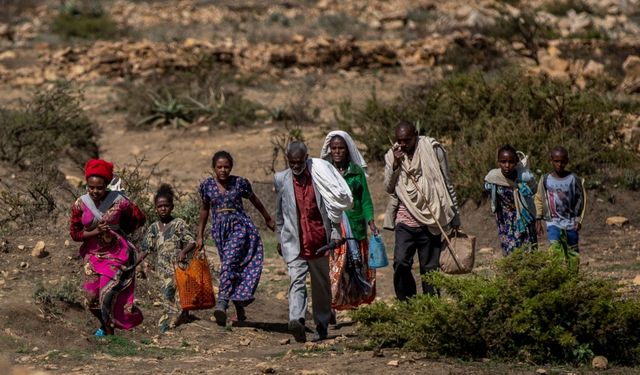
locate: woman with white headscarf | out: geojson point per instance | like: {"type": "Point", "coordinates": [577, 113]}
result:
{"type": "Point", "coordinates": [352, 281]}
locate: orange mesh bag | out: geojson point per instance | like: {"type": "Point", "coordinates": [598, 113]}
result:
{"type": "Point", "coordinates": [194, 284]}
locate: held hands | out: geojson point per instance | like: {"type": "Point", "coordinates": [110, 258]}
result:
{"type": "Point", "coordinates": [374, 229]}
{"type": "Point", "coordinates": [102, 227]}
{"type": "Point", "coordinates": [271, 224]}
{"type": "Point", "coordinates": [539, 226]}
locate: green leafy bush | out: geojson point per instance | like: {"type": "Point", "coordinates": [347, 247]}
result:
{"type": "Point", "coordinates": [473, 114]}
{"type": "Point", "coordinates": [49, 126]}
{"type": "Point", "coordinates": [86, 20]}
{"type": "Point", "coordinates": [203, 94]}
{"type": "Point", "coordinates": [67, 291]}
{"type": "Point", "coordinates": [534, 309]}
{"type": "Point", "coordinates": [560, 8]}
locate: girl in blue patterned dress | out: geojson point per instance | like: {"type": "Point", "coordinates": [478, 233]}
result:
{"type": "Point", "coordinates": [512, 187]}
{"type": "Point", "coordinates": [236, 237]}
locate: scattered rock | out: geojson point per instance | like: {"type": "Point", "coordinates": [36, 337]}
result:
{"type": "Point", "coordinates": [394, 363]}
{"type": "Point", "coordinates": [266, 368]}
{"type": "Point", "coordinates": [393, 25]}
{"type": "Point", "coordinates": [631, 82]}
{"type": "Point", "coordinates": [636, 280]}
{"type": "Point", "coordinates": [377, 352]}
{"type": "Point", "coordinates": [39, 250]}
{"type": "Point", "coordinates": [286, 341]}
{"type": "Point", "coordinates": [282, 296]}
{"type": "Point", "coordinates": [593, 69]}
{"type": "Point", "coordinates": [74, 180]}
{"type": "Point", "coordinates": [486, 250]}
{"type": "Point", "coordinates": [8, 55]}
{"type": "Point", "coordinates": [600, 362]}
{"type": "Point", "coordinates": [477, 19]}
{"type": "Point", "coordinates": [245, 341]}
{"type": "Point", "coordinates": [314, 372]}
{"type": "Point", "coordinates": [24, 265]}
{"type": "Point", "coordinates": [617, 221]}
{"type": "Point", "coordinates": [541, 371]}
{"type": "Point", "coordinates": [21, 247]}
{"type": "Point", "coordinates": [66, 243]}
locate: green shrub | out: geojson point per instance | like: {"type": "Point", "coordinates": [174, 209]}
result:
{"type": "Point", "coordinates": [86, 20]}
{"type": "Point", "coordinates": [205, 94]}
{"type": "Point", "coordinates": [45, 128]}
{"type": "Point", "coordinates": [473, 114]}
{"type": "Point", "coordinates": [523, 28]}
{"type": "Point", "coordinates": [31, 195]}
{"type": "Point", "coordinates": [188, 209]}
{"type": "Point", "coordinates": [560, 8]}
{"type": "Point", "coordinates": [67, 291]}
{"type": "Point", "coordinates": [534, 309]}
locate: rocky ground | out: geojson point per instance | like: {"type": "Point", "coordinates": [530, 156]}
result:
{"type": "Point", "coordinates": [287, 54]}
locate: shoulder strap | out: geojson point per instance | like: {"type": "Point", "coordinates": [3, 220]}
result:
{"type": "Point", "coordinates": [111, 198]}
{"type": "Point", "coordinates": [88, 202]}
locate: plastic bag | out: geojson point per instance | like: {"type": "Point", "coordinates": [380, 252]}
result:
{"type": "Point", "coordinates": [377, 252]}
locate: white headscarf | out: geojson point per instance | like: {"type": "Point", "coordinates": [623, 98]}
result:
{"type": "Point", "coordinates": [354, 153]}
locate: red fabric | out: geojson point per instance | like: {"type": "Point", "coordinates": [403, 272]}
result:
{"type": "Point", "coordinates": [312, 233]}
{"type": "Point", "coordinates": [99, 167]}
{"type": "Point", "coordinates": [76, 228]}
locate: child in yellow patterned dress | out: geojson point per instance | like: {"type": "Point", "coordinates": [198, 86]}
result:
{"type": "Point", "coordinates": [172, 241]}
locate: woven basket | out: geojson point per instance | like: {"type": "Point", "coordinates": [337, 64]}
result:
{"type": "Point", "coordinates": [194, 284]}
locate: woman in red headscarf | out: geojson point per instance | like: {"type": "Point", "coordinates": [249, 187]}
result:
{"type": "Point", "coordinates": [101, 220]}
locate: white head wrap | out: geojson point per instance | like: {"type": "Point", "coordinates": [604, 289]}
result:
{"type": "Point", "coordinates": [354, 153]}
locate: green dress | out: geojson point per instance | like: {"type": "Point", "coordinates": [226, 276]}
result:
{"type": "Point", "coordinates": [362, 212]}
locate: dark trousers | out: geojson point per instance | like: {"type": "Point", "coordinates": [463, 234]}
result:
{"type": "Point", "coordinates": [408, 241]}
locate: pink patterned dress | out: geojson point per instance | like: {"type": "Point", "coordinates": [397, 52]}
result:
{"type": "Point", "coordinates": [107, 288]}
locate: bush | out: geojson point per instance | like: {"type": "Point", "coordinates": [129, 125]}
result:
{"type": "Point", "coordinates": [534, 309]}
{"type": "Point", "coordinates": [50, 125]}
{"type": "Point", "coordinates": [84, 20]}
{"type": "Point", "coordinates": [523, 28]}
{"type": "Point", "coordinates": [560, 8]}
{"type": "Point", "coordinates": [67, 291]}
{"type": "Point", "coordinates": [203, 94]}
{"type": "Point", "coordinates": [473, 114]}
{"type": "Point", "coordinates": [30, 196]}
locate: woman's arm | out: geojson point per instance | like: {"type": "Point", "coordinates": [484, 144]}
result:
{"type": "Point", "coordinates": [271, 224]}
{"type": "Point", "coordinates": [202, 223]}
{"type": "Point", "coordinates": [76, 229]}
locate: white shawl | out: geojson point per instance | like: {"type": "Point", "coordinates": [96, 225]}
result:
{"type": "Point", "coordinates": [332, 187]}
{"type": "Point", "coordinates": [354, 154]}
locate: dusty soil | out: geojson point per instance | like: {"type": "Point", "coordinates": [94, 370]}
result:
{"type": "Point", "coordinates": [60, 340]}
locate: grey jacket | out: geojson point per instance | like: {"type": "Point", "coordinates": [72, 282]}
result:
{"type": "Point", "coordinates": [287, 222]}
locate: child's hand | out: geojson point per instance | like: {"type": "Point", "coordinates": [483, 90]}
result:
{"type": "Point", "coordinates": [199, 243]}
{"type": "Point", "coordinates": [271, 224]}
{"type": "Point", "coordinates": [182, 255]}
{"type": "Point", "coordinates": [539, 226]}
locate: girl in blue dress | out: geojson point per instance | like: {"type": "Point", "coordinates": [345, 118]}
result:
{"type": "Point", "coordinates": [236, 237]}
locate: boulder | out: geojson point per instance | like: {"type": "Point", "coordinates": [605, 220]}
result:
{"type": "Point", "coordinates": [39, 250]}
{"type": "Point", "coordinates": [599, 362]}
{"type": "Point", "coordinates": [631, 82]}
{"type": "Point", "coordinates": [617, 221]}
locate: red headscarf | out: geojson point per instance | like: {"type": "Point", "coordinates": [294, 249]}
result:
{"type": "Point", "coordinates": [100, 168]}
